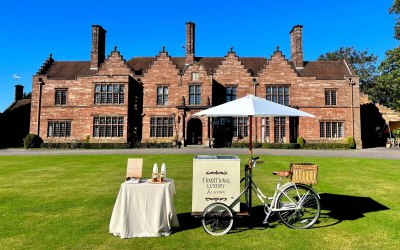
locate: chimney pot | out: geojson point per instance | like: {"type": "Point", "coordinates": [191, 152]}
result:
{"type": "Point", "coordinates": [190, 42]}
{"type": "Point", "coordinates": [98, 52]}
{"type": "Point", "coordinates": [296, 45]}
{"type": "Point", "coordinates": [19, 91]}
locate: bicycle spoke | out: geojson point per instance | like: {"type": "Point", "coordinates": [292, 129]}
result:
{"type": "Point", "coordinates": [217, 219]}
{"type": "Point", "coordinates": [303, 207]}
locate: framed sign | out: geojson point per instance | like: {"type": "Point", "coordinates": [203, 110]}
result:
{"type": "Point", "coordinates": [216, 178]}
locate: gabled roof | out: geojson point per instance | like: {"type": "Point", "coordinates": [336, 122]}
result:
{"type": "Point", "coordinates": [325, 70]}
{"type": "Point", "coordinates": [69, 70]}
{"type": "Point", "coordinates": [17, 104]}
{"type": "Point", "coordinates": [140, 65]}
{"type": "Point", "coordinates": [322, 70]}
{"type": "Point", "coordinates": [254, 65]}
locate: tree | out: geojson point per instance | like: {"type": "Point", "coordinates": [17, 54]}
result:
{"type": "Point", "coordinates": [27, 95]}
{"type": "Point", "coordinates": [363, 65]}
{"type": "Point", "coordinates": [395, 9]}
{"type": "Point", "coordinates": [388, 87]}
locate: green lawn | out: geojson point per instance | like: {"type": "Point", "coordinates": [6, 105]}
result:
{"type": "Point", "coordinates": [64, 202]}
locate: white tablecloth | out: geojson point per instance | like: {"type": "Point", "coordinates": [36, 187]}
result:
{"type": "Point", "coordinates": [144, 210]}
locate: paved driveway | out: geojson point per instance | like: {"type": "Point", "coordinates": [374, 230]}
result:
{"type": "Point", "coordinates": [381, 153]}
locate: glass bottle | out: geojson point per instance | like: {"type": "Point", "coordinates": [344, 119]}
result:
{"type": "Point", "coordinates": [155, 173]}
{"type": "Point", "coordinates": [163, 172]}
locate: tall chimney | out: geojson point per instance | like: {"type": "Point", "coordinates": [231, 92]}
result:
{"type": "Point", "coordinates": [19, 91]}
{"type": "Point", "coordinates": [97, 55]}
{"type": "Point", "coordinates": [190, 42]}
{"type": "Point", "coordinates": [296, 45]}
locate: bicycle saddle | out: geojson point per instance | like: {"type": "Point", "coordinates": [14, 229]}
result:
{"type": "Point", "coordinates": [283, 173]}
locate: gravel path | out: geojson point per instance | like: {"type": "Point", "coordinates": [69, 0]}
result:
{"type": "Point", "coordinates": [381, 153]}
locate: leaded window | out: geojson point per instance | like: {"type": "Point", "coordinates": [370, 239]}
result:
{"type": "Point", "coordinates": [330, 129]}
{"type": "Point", "coordinates": [60, 96]}
{"type": "Point", "coordinates": [162, 95]}
{"type": "Point", "coordinates": [330, 97]}
{"type": "Point", "coordinates": [230, 93]}
{"type": "Point", "coordinates": [279, 129]}
{"type": "Point", "coordinates": [278, 94]}
{"type": "Point", "coordinates": [161, 126]}
{"type": "Point", "coordinates": [108, 126]}
{"type": "Point", "coordinates": [109, 93]}
{"type": "Point", "coordinates": [194, 94]}
{"type": "Point", "coordinates": [240, 127]}
{"type": "Point", "coordinates": [266, 132]}
{"type": "Point", "coordinates": [58, 128]}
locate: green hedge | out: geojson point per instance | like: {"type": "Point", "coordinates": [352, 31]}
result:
{"type": "Point", "coordinates": [245, 145]}
{"type": "Point", "coordinates": [281, 146]}
{"type": "Point", "coordinates": [58, 145]}
{"type": "Point", "coordinates": [152, 145]}
{"type": "Point", "coordinates": [326, 146]}
{"type": "Point", "coordinates": [294, 145]}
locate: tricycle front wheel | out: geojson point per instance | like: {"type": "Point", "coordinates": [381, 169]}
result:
{"type": "Point", "coordinates": [217, 219]}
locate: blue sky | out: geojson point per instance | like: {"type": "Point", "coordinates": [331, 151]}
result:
{"type": "Point", "coordinates": [31, 30]}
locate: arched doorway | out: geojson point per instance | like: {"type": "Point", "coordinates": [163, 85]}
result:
{"type": "Point", "coordinates": [194, 132]}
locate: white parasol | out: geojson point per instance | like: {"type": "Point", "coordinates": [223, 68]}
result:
{"type": "Point", "coordinates": [251, 106]}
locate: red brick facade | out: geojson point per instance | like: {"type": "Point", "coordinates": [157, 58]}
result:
{"type": "Point", "coordinates": [185, 86]}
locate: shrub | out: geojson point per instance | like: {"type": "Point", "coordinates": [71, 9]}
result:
{"type": "Point", "coordinates": [326, 146]}
{"type": "Point", "coordinates": [246, 145]}
{"type": "Point", "coordinates": [152, 145]}
{"type": "Point", "coordinates": [396, 132]}
{"type": "Point", "coordinates": [350, 141]}
{"type": "Point", "coordinates": [281, 146]}
{"type": "Point", "coordinates": [32, 141]}
{"type": "Point", "coordinates": [300, 141]}
{"type": "Point", "coordinates": [59, 145]}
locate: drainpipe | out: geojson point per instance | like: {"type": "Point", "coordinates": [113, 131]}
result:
{"type": "Point", "coordinates": [41, 83]}
{"type": "Point", "coordinates": [351, 84]}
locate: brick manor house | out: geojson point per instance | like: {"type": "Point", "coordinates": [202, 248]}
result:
{"type": "Point", "coordinates": [153, 99]}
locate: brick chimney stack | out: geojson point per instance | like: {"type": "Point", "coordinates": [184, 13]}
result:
{"type": "Point", "coordinates": [296, 45]}
{"type": "Point", "coordinates": [19, 91]}
{"type": "Point", "coordinates": [97, 55]}
{"type": "Point", "coordinates": [190, 27]}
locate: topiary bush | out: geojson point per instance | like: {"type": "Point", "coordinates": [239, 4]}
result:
{"type": "Point", "coordinates": [32, 141]}
{"type": "Point", "coordinates": [351, 142]}
{"type": "Point", "coordinates": [301, 141]}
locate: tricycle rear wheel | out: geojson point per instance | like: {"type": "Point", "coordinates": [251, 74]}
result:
{"type": "Point", "coordinates": [217, 219]}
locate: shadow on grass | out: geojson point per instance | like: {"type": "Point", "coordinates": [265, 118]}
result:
{"type": "Point", "coordinates": [187, 222]}
{"type": "Point", "coordinates": [335, 208]}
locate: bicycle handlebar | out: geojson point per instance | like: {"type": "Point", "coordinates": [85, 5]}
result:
{"type": "Point", "coordinates": [254, 160]}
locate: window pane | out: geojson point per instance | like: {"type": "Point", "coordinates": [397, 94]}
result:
{"type": "Point", "coordinates": [328, 130]}
{"type": "Point", "coordinates": [340, 129]}
{"type": "Point", "coordinates": [334, 130]}
{"type": "Point", "coordinates": [322, 129]}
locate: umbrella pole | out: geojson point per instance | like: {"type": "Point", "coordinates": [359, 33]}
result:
{"type": "Point", "coordinates": [250, 138]}
{"type": "Point", "coordinates": [250, 165]}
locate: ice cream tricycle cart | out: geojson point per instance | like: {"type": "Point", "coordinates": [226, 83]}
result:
{"type": "Point", "coordinates": [216, 192]}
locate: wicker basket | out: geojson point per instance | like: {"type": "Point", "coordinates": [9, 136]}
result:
{"type": "Point", "coordinates": [305, 173]}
